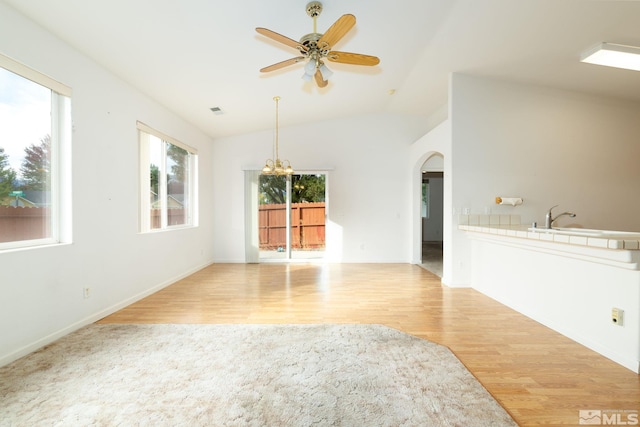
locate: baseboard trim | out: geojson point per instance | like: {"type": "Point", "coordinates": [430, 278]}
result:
{"type": "Point", "coordinates": [48, 339]}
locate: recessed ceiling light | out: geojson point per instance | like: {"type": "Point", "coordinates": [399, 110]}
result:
{"type": "Point", "coordinates": [217, 111]}
{"type": "Point", "coordinates": [614, 55]}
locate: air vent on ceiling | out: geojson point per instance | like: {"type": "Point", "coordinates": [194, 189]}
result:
{"type": "Point", "coordinates": [217, 111]}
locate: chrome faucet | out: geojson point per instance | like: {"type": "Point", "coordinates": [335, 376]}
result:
{"type": "Point", "coordinates": [548, 218]}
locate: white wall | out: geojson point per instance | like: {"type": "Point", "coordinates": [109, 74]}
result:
{"type": "Point", "coordinates": [368, 191]}
{"type": "Point", "coordinates": [41, 289]}
{"type": "Point", "coordinates": [547, 146]}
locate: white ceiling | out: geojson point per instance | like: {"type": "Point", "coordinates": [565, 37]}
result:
{"type": "Point", "coordinates": [191, 55]}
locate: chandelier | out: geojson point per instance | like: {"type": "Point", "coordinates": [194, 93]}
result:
{"type": "Point", "coordinates": [277, 166]}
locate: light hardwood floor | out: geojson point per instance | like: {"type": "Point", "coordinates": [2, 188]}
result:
{"type": "Point", "coordinates": [538, 375]}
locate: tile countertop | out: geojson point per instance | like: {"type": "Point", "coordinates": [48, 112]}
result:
{"type": "Point", "coordinates": [509, 225]}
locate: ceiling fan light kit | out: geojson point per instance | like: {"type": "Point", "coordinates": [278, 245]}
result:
{"type": "Point", "coordinates": [316, 47]}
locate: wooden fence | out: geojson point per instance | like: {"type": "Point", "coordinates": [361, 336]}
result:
{"type": "Point", "coordinates": [307, 226]}
{"type": "Point", "coordinates": [24, 223]}
{"type": "Point", "coordinates": [175, 216]}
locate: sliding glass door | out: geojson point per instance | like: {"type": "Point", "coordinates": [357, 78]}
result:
{"type": "Point", "coordinates": [291, 216]}
{"type": "Point", "coordinates": [273, 216]}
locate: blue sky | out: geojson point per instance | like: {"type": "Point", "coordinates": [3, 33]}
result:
{"type": "Point", "coordinates": [25, 115]}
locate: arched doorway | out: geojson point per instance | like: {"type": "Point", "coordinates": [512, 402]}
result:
{"type": "Point", "coordinates": [431, 212]}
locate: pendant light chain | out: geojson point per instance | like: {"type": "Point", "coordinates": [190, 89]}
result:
{"type": "Point", "coordinates": [276, 166]}
{"type": "Point", "coordinates": [277, 98]}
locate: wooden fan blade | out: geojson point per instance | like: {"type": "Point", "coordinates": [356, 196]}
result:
{"type": "Point", "coordinates": [319, 80]}
{"type": "Point", "coordinates": [353, 58]}
{"type": "Point", "coordinates": [282, 64]}
{"type": "Point", "coordinates": [337, 31]}
{"type": "Point", "coordinates": [281, 39]}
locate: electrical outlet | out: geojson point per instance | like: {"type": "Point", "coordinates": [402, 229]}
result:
{"type": "Point", "coordinates": [87, 292]}
{"type": "Point", "coordinates": [617, 316]}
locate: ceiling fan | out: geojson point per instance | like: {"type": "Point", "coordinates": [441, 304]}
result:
{"type": "Point", "coordinates": [316, 47]}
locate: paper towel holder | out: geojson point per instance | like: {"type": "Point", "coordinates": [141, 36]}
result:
{"type": "Point", "coordinates": [513, 201]}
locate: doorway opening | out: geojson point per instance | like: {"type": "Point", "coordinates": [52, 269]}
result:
{"type": "Point", "coordinates": [291, 216]}
{"type": "Point", "coordinates": [432, 206]}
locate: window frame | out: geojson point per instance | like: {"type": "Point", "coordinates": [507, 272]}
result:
{"type": "Point", "coordinates": [191, 195]}
{"type": "Point", "coordinates": [60, 161]}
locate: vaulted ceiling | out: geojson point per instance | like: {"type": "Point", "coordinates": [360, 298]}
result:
{"type": "Point", "coordinates": [192, 55]}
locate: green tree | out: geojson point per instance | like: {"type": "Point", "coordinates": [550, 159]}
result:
{"type": "Point", "coordinates": [307, 188]}
{"type": "Point", "coordinates": [304, 189]}
{"type": "Point", "coordinates": [179, 156]}
{"type": "Point", "coordinates": [37, 165]}
{"type": "Point", "coordinates": [155, 177]}
{"type": "Point", "coordinates": [7, 175]}
{"type": "Point", "coordinates": [273, 189]}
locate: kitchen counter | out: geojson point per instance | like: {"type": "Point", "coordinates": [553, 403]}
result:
{"type": "Point", "coordinates": [569, 279]}
{"type": "Point", "coordinates": [509, 225]}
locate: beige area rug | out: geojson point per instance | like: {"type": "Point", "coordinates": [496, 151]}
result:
{"type": "Point", "coordinates": [243, 375]}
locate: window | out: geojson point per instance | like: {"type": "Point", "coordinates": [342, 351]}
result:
{"type": "Point", "coordinates": [168, 170]}
{"type": "Point", "coordinates": [34, 160]}
{"type": "Point", "coordinates": [425, 198]}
